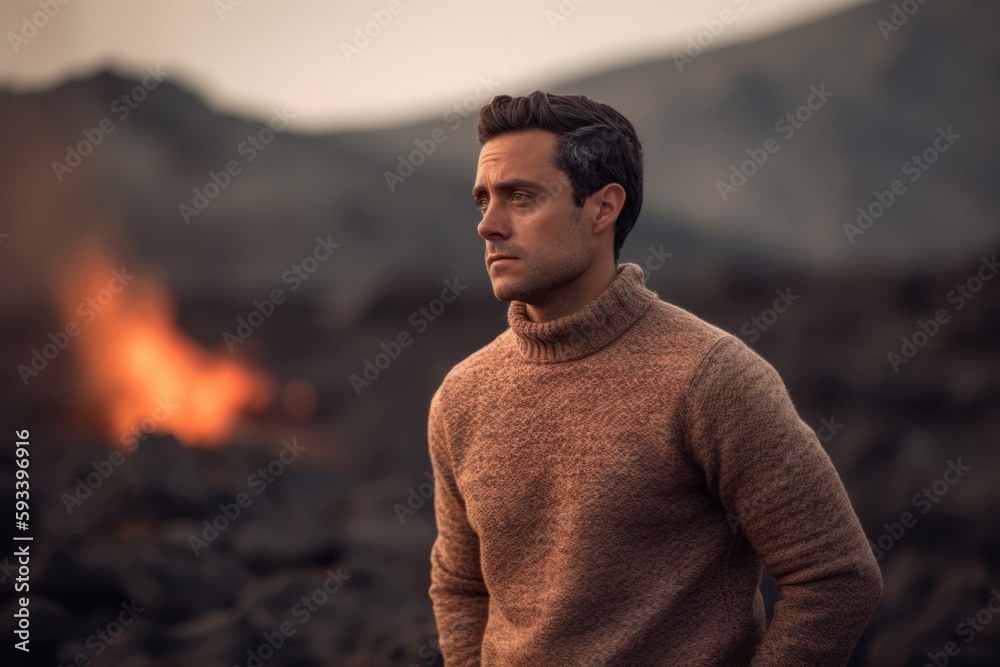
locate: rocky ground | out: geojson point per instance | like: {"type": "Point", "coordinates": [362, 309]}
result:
{"type": "Point", "coordinates": [312, 563]}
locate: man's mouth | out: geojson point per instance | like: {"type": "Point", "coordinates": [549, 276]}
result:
{"type": "Point", "coordinates": [499, 257]}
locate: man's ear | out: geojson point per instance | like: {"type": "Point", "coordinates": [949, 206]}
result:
{"type": "Point", "coordinates": [609, 201]}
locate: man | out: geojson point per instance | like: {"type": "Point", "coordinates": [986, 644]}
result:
{"type": "Point", "coordinates": [611, 472]}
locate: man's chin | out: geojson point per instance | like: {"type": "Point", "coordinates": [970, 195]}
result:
{"type": "Point", "coordinates": [506, 290]}
{"type": "Point", "coordinates": [502, 294]}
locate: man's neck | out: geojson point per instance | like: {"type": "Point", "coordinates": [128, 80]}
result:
{"type": "Point", "coordinates": [575, 295]}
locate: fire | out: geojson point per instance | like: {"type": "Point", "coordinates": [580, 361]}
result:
{"type": "Point", "coordinates": [139, 371]}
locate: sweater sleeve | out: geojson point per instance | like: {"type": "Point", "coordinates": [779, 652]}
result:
{"type": "Point", "coordinates": [458, 594]}
{"type": "Point", "coordinates": [780, 489]}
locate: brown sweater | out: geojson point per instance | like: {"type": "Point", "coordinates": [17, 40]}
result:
{"type": "Point", "coordinates": [608, 487]}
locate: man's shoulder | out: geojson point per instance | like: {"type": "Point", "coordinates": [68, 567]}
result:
{"type": "Point", "coordinates": [680, 331]}
{"type": "Point", "coordinates": [711, 351]}
{"type": "Point", "coordinates": [477, 368]}
{"type": "Point", "coordinates": [721, 375]}
{"type": "Point", "coordinates": [685, 341]}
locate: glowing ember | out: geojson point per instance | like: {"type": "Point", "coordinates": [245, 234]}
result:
{"type": "Point", "coordinates": [135, 361]}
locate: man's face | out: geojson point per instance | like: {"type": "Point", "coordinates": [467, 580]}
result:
{"type": "Point", "coordinates": [528, 214]}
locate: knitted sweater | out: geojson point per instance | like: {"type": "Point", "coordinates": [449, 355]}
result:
{"type": "Point", "coordinates": [609, 486]}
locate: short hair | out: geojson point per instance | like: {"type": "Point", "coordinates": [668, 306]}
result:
{"type": "Point", "coordinates": [595, 145]}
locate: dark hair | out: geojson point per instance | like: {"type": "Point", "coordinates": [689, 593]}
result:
{"type": "Point", "coordinates": [595, 145]}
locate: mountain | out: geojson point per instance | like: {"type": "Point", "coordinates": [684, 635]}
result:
{"type": "Point", "coordinates": [887, 94]}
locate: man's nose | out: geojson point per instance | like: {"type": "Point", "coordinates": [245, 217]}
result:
{"type": "Point", "coordinates": [494, 223]}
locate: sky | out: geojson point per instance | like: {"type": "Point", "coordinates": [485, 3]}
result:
{"type": "Point", "coordinates": [343, 66]}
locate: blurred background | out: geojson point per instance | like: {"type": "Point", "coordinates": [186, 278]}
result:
{"type": "Point", "coordinates": [216, 219]}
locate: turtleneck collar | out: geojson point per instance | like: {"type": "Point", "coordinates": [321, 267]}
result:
{"type": "Point", "coordinates": [587, 330]}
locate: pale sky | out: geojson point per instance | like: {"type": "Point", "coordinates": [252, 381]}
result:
{"type": "Point", "coordinates": [250, 56]}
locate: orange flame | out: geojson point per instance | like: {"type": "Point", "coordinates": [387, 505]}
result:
{"type": "Point", "coordinates": [142, 372]}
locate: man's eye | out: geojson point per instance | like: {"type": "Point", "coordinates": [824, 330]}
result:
{"type": "Point", "coordinates": [481, 203]}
